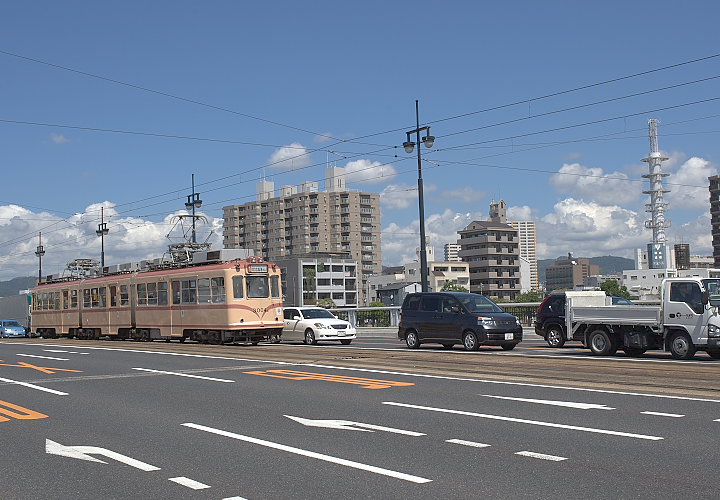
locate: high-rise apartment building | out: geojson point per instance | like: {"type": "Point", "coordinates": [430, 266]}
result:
{"type": "Point", "coordinates": [715, 216]}
{"type": "Point", "coordinates": [305, 221]}
{"type": "Point", "coordinates": [492, 250]}
{"type": "Point", "coordinates": [452, 252]}
{"type": "Point", "coordinates": [528, 245]}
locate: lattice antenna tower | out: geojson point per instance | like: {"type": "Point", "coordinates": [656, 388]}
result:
{"type": "Point", "coordinates": [657, 205]}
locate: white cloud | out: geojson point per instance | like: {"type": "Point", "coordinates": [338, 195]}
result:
{"type": "Point", "coordinates": [465, 195]}
{"type": "Point", "coordinates": [290, 157]}
{"type": "Point", "coordinates": [398, 196]}
{"type": "Point", "coordinates": [59, 138]}
{"type": "Point", "coordinates": [522, 213]}
{"type": "Point", "coordinates": [129, 238]}
{"type": "Point", "coordinates": [367, 171]}
{"type": "Point", "coordinates": [689, 185]}
{"type": "Point", "coordinates": [323, 138]}
{"type": "Point", "coordinates": [593, 184]}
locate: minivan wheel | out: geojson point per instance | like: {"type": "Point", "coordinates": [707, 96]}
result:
{"type": "Point", "coordinates": [555, 337]}
{"type": "Point", "coordinates": [412, 340]}
{"type": "Point", "coordinates": [470, 341]}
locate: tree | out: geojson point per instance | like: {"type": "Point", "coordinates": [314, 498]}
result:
{"type": "Point", "coordinates": [450, 286]}
{"type": "Point", "coordinates": [532, 296]}
{"type": "Point", "coordinates": [326, 303]}
{"type": "Point", "coordinates": [611, 287]}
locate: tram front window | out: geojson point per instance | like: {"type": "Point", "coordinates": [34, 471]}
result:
{"type": "Point", "coordinates": [257, 287]}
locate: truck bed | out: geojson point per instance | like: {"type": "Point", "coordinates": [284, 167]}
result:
{"type": "Point", "coordinates": [616, 315]}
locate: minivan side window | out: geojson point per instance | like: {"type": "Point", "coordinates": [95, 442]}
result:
{"type": "Point", "coordinates": [413, 303]}
{"type": "Point", "coordinates": [431, 303]}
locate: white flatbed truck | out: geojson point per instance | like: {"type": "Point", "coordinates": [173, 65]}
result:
{"type": "Point", "coordinates": [686, 321]}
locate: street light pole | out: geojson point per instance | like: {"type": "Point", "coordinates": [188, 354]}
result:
{"type": "Point", "coordinates": [193, 202]}
{"type": "Point", "coordinates": [101, 231]}
{"type": "Point", "coordinates": [409, 145]}
{"type": "Point", "coordinates": [40, 251]}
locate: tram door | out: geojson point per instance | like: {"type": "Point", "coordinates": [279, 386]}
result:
{"type": "Point", "coordinates": [177, 313]}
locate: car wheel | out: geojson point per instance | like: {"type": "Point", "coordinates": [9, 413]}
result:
{"type": "Point", "coordinates": [508, 347]}
{"type": "Point", "coordinates": [554, 337]}
{"type": "Point", "coordinates": [274, 339]}
{"type": "Point", "coordinates": [681, 347]}
{"type": "Point", "coordinates": [448, 346]}
{"type": "Point", "coordinates": [601, 343]}
{"type": "Point", "coordinates": [470, 341]}
{"type": "Point", "coordinates": [310, 337]}
{"type": "Point", "coordinates": [346, 341]}
{"type": "Point", "coordinates": [412, 340]}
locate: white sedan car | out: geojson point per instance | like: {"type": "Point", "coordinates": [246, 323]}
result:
{"type": "Point", "coordinates": [313, 324]}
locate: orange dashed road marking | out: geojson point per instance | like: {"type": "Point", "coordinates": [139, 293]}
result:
{"type": "Point", "coordinates": [20, 413]}
{"type": "Point", "coordinates": [367, 383]}
{"type": "Point", "coordinates": [44, 369]}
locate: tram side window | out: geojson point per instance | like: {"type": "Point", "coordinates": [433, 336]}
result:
{"type": "Point", "coordinates": [275, 287]}
{"type": "Point", "coordinates": [188, 291]}
{"type": "Point", "coordinates": [124, 296]}
{"type": "Point", "coordinates": [113, 296]}
{"type": "Point", "coordinates": [203, 290]}
{"type": "Point", "coordinates": [73, 299]}
{"type": "Point", "coordinates": [141, 294]}
{"type": "Point", "coordinates": [56, 300]}
{"type": "Point", "coordinates": [237, 283]}
{"type": "Point", "coordinates": [162, 293]}
{"type": "Point", "coordinates": [152, 294]}
{"type": "Point", "coordinates": [65, 299]}
{"type": "Point", "coordinates": [86, 297]}
{"type": "Point", "coordinates": [103, 301]}
{"type": "Point", "coordinates": [176, 292]}
{"type": "Point", "coordinates": [217, 289]}
{"type": "Point", "coordinates": [257, 287]}
{"type": "Point", "coordinates": [147, 294]}
{"type": "Point", "coordinates": [95, 297]}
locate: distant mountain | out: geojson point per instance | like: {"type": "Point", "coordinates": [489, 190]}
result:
{"type": "Point", "coordinates": [13, 286]}
{"type": "Point", "coordinates": [608, 265]}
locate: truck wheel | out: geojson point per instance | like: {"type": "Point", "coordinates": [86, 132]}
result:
{"type": "Point", "coordinates": [601, 343]}
{"type": "Point", "coordinates": [554, 337]}
{"type": "Point", "coordinates": [634, 351]}
{"type": "Point", "coordinates": [681, 347]}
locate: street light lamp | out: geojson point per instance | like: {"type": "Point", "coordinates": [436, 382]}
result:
{"type": "Point", "coordinates": [40, 251]}
{"type": "Point", "coordinates": [428, 140]}
{"type": "Point", "coordinates": [193, 202]}
{"type": "Point", "coordinates": [101, 231]}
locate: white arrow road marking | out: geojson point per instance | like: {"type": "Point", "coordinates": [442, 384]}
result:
{"type": "Point", "coordinates": [467, 443]}
{"type": "Point", "coordinates": [350, 426]}
{"type": "Point", "coordinates": [42, 357]}
{"type": "Point", "coordinates": [568, 404]}
{"type": "Point", "coordinates": [190, 483]}
{"type": "Point", "coordinates": [659, 414]}
{"type": "Point", "coordinates": [84, 452]}
{"type": "Point", "coordinates": [312, 454]}
{"type": "Point", "coordinates": [525, 421]}
{"type": "Point", "coordinates": [541, 456]}
{"type": "Point", "coordinates": [183, 375]}
{"type": "Point", "coordinates": [33, 386]}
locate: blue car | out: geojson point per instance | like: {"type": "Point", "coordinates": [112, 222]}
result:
{"type": "Point", "coordinates": [11, 328]}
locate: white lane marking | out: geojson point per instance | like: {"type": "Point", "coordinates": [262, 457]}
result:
{"type": "Point", "coordinates": [525, 421]}
{"type": "Point", "coordinates": [467, 443]}
{"type": "Point", "coordinates": [716, 420]}
{"type": "Point", "coordinates": [659, 414]}
{"type": "Point", "coordinates": [184, 375]}
{"type": "Point", "coordinates": [84, 452]}
{"type": "Point", "coordinates": [33, 386]}
{"type": "Point", "coordinates": [42, 357]}
{"type": "Point", "coordinates": [235, 498]}
{"type": "Point", "coordinates": [541, 456]}
{"type": "Point", "coordinates": [350, 426]}
{"type": "Point", "coordinates": [417, 375]}
{"type": "Point", "coordinates": [312, 454]}
{"type": "Point", "coordinates": [190, 483]}
{"type": "Point", "coordinates": [68, 352]}
{"type": "Point", "coordinates": [568, 404]}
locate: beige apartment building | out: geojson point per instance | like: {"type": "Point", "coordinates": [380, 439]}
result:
{"type": "Point", "coordinates": [301, 220]}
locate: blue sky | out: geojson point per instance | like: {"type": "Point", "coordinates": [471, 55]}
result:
{"type": "Point", "coordinates": [222, 89]}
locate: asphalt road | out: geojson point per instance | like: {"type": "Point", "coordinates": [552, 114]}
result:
{"type": "Point", "coordinates": [101, 419]}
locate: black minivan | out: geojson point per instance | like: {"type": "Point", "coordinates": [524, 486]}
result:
{"type": "Point", "coordinates": [450, 318]}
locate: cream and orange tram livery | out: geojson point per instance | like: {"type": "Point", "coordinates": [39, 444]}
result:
{"type": "Point", "coordinates": [210, 300]}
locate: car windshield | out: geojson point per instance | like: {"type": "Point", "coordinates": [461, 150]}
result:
{"type": "Point", "coordinates": [11, 323]}
{"type": "Point", "coordinates": [621, 301]}
{"type": "Point", "coordinates": [479, 304]}
{"type": "Point", "coordinates": [317, 313]}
